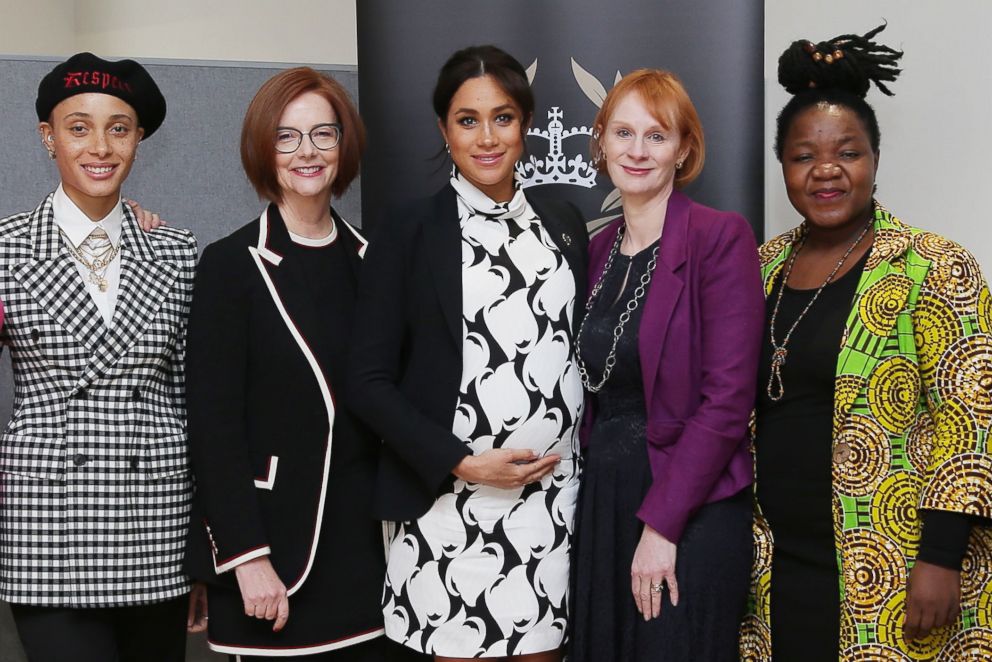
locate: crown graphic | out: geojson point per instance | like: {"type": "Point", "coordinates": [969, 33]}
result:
{"type": "Point", "coordinates": [556, 168]}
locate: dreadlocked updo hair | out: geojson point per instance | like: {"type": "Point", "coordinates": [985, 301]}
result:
{"type": "Point", "coordinates": [837, 71]}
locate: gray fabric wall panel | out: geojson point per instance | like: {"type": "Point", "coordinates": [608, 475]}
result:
{"type": "Point", "coordinates": [189, 171]}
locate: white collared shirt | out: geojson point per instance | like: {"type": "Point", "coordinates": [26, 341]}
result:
{"type": "Point", "coordinates": [76, 226]}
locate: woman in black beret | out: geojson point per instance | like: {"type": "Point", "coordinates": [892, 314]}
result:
{"type": "Point", "coordinates": [95, 486]}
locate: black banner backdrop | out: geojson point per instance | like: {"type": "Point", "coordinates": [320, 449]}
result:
{"type": "Point", "coordinates": [574, 51]}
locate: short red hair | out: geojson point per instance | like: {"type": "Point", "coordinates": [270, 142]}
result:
{"type": "Point", "coordinates": [258, 152]}
{"type": "Point", "coordinates": [669, 103]}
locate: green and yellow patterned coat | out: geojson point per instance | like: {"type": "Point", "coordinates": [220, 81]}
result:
{"type": "Point", "coordinates": [912, 412]}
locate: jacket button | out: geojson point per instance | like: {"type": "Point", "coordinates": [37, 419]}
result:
{"type": "Point", "coordinates": [136, 394]}
{"type": "Point", "coordinates": [35, 335]}
{"type": "Point", "coordinates": [79, 460]}
{"type": "Point", "coordinates": [135, 463]}
{"type": "Point", "coordinates": [842, 453]}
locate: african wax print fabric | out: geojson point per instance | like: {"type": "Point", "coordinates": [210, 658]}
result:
{"type": "Point", "coordinates": [912, 412]}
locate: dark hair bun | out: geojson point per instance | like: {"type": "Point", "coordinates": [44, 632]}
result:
{"type": "Point", "coordinates": [848, 62]}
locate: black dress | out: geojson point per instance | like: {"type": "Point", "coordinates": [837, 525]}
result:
{"type": "Point", "coordinates": [794, 444]}
{"type": "Point", "coordinates": [714, 554]}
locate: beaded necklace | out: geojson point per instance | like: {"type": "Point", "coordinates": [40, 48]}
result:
{"type": "Point", "coordinates": [775, 387]}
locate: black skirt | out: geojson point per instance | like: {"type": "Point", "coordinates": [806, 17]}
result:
{"type": "Point", "coordinates": [712, 565]}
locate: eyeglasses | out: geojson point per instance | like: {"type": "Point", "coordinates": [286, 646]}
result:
{"type": "Point", "coordinates": [323, 137]}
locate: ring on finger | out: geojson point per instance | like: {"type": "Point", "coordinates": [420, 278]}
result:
{"type": "Point", "coordinates": [656, 587]}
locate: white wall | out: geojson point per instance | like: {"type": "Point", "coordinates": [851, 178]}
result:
{"type": "Point", "coordinates": [37, 27]}
{"type": "Point", "coordinates": [936, 152]}
{"type": "Point", "coordinates": [302, 31]}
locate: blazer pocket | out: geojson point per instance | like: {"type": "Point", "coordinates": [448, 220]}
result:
{"type": "Point", "coordinates": [266, 479]}
{"type": "Point", "coordinates": [664, 433]}
{"type": "Point", "coordinates": [34, 457]}
{"type": "Point", "coordinates": [166, 457]}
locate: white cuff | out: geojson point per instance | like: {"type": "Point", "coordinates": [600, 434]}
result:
{"type": "Point", "coordinates": [232, 563]}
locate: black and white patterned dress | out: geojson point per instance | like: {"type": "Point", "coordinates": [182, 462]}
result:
{"type": "Point", "coordinates": [484, 573]}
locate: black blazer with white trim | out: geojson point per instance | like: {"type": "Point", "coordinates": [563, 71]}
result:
{"type": "Point", "coordinates": [406, 360]}
{"type": "Point", "coordinates": [262, 409]}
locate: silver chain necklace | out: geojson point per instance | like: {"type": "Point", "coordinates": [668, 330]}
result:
{"type": "Point", "coordinates": [611, 358]}
{"type": "Point", "coordinates": [775, 388]}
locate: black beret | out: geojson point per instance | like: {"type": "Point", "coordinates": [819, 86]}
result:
{"type": "Point", "coordinates": [125, 79]}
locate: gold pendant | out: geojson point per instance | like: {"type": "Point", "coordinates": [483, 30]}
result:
{"type": "Point", "coordinates": [99, 281]}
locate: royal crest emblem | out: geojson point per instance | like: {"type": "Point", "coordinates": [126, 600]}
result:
{"type": "Point", "coordinates": [571, 167]}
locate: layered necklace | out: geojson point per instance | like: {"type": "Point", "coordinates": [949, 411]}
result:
{"type": "Point", "coordinates": [635, 300]}
{"type": "Point", "coordinates": [775, 387]}
{"type": "Point", "coordinates": [96, 258]}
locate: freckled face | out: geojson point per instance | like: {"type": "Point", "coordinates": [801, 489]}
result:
{"type": "Point", "coordinates": [829, 166]}
{"type": "Point", "coordinates": [484, 131]}
{"type": "Point", "coordinates": [95, 138]}
{"type": "Point", "coordinates": [640, 153]}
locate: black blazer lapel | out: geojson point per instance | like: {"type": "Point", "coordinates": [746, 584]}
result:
{"type": "Point", "coordinates": [353, 239]}
{"type": "Point", "coordinates": [443, 238]}
{"type": "Point", "coordinates": [291, 283]}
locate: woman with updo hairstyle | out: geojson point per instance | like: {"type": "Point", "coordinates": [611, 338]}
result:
{"type": "Point", "coordinates": [874, 477]}
{"type": "Point", "coordinates": [667, 349]}
{"type": "Point", "coordinates": [283, 532]}
{"type": "Point", "coordinates": [464, 365]}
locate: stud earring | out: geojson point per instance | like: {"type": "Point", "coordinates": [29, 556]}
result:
{"type": "Point", "coordinates": [678, 165]}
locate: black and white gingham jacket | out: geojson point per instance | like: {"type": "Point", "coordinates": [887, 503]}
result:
{"type": "Point", "coordinates": [95, 485]}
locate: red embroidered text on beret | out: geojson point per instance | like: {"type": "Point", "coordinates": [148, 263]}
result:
{"type": "Point", "coordinates": [84, 73]}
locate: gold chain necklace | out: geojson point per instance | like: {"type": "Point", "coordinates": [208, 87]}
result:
{"type": "Point", "coordinates": [775, 388]}
{"type": "Point", "coordinates": [97, 267]}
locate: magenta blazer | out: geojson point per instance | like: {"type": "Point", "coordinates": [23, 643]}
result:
{"type": "Point", "coordinates": [699, 343]}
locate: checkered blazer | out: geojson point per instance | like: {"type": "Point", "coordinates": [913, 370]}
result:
{"type": "Point", "coordinates": [95, 486]}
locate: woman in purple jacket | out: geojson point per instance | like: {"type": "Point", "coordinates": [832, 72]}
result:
{"type": "Point", "coordinates": [669, 348]}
